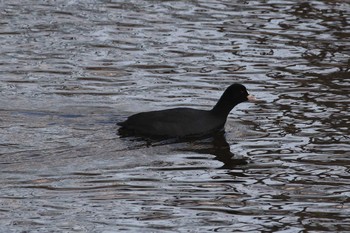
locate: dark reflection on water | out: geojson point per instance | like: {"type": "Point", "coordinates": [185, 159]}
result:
{"type": "Point", "coordinates": [71, 69]}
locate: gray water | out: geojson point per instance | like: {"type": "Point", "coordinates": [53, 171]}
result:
{"type": "Point", "coordinates": [70, 70]}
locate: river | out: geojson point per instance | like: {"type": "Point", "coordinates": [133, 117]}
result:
{"type": "Point", "coordinates": [70, 70]}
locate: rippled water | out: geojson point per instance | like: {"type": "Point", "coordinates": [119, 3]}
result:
{"type": "Point", "coordinates": [71, 69]}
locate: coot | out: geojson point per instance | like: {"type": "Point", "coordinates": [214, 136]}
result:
{"type": "Point", "coordinates": [186, 122]}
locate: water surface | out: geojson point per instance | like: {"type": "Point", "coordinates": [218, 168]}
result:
{"type": "Point", "coordinates": [71, 69]}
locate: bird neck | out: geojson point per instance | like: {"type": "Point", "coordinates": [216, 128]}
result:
{"type": "Point", "coordinates": [223, 107]}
